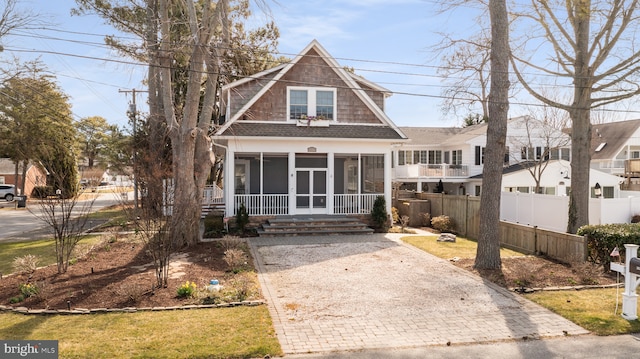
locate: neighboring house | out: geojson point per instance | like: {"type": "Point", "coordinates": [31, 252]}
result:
{"type": "Point", "coordinates": [35, 175]}
{"type": "Point", "coordinates": [615, 149]}
{"type": "Point", "coordinates": [306, 137]}
{"type": "Point", "coordinates": [455, 156]}
{"type": "Point", "coordinates": [554, 180]}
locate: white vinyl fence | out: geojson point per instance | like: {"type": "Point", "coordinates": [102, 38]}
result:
{"type": "Point", "coordinates": [551, 212]}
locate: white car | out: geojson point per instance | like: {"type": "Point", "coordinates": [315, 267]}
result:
{"type": "Point", "coordinates": [7, 191]}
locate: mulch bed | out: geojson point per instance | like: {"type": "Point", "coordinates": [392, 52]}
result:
{"type": "Point", "coordinates": [112, 276]}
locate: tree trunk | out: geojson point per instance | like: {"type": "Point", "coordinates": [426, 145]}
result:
{"type": "Point", "coordinates": [581, 123]}
{"type": "Point", "coordinates": [488, 252]}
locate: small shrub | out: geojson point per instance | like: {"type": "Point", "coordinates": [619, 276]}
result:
{"type": "Point", "coordinates": [17, 299]}
{"type": "Point", "coordinates": [443, 224]}
{"type": "Point", "coordinates": [242, 218]}
{"type": "Point", "coordinates": [42, 192]}
{"type": "Point", "coordinates": [28, 290]}
{"type": "Point", "coordinates": [187, 290]}
{"type": "Point", "coordinates": [240, 288]}
{"type": "Point", "coordinates": [395, 216]}
{"type": "Point", "coordinates": [235, 258]}
{"type": "Point", "coordinates": [404, 221]}
{"type": "Point", "coordinates": [231, 242]}
{"type": "Point", "coordinates": [426, 219]}
{"type": "Point", "coordinates": [133, 292]}
{"type": "Point", "coordinates": [602, 239]}
{"type": "Point", "coordinates": [635, 218]}
{"type": "Point", "coordinates": [214, 225]}
{"type": "Point", "coordinates": [26, 264]}
{"type": "Point", "coordinates": [379, 214]}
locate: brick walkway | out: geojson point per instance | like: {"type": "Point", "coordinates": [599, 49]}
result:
{"type": "Point", "coordinates": [368, 292]}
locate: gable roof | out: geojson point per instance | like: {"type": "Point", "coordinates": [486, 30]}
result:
{"type": "Point", "coordinates": [614, 136]}
{"type": "Point", "coordinates": [272, 76]}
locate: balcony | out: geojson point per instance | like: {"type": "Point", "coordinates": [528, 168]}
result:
{"type": "Point", "coordinates": [432, 171]}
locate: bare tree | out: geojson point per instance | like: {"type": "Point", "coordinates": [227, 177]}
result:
{"type": "Point", "coordinates": [488, 251]}
{"type": "Point", "coordinates": [541, 139]}
{"type": "Point", "coordinates": [67, 216]}
{"type": "Point", "coordinates": [465, 70]}
{"type": "Point", "coordinates": [190, 123]}
{"type": "Point", "coordinates": [599, 64]}
{"type": "Point", "coordinates": [12, 17]}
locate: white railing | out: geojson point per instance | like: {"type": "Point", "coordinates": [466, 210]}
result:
{"type": "Point", "coordinates": [353, 203]}
{"type": "Point", "coordinates": [212, 195]}
{"type": "Point", "coordinates": [262, 204]}
{"type": "Point", "coordinates": [432, 171]}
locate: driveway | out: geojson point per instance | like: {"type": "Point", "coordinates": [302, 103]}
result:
{"type": "Point", "coordinates": [347, 293]}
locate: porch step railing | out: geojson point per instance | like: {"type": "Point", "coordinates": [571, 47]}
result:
{"type": "Point", "coordinates": [278, 204]}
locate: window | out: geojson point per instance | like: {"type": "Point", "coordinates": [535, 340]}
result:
{"type": "Point", "coordinates": [456, 157]}
{"type": "Point", "coordinates": [435, 157]}
{"type": "Point", "coordinates": [446, 157]}
{"type": "Point", "coordinates": [479, 155]}
{"type": "Point", "coordinates": [311, 101]}
{"type": "Point", "coordinates": [506, 155]}
{"type": "Point", "coordinates": [423, 157]}
{"type": "Point", "coordinates": [400, 158]}
{"type": "Point", "coordinates": [635, 154]}
{"type": "Point", "coordinates": [416, 157]}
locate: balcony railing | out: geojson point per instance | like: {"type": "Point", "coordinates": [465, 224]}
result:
{"type": "Point", "coordinates": [432, 171]}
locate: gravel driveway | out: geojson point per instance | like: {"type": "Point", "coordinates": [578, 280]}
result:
{"type": "Point", "coordinates": [341, 293]}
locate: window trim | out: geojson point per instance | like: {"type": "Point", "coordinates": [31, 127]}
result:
{"type": "Point", "coordinates": [311, 100]}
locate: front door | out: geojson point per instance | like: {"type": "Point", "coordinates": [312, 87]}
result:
{"type": "Point", "coordinates": [311, 191]}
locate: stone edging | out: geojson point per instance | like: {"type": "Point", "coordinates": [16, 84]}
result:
{"type": "Point", "coordinates": [25, 310]}
{"type": "Point", "coordinates": [555, 289]}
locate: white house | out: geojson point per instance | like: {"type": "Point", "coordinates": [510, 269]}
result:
{"type": "Point", "coordinates": [306, 137]}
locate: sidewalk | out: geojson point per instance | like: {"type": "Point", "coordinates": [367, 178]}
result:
{"type": "Point", "coordinates": [373, 292]}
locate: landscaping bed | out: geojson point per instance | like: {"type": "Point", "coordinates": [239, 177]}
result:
{"type": "Point", "coordinates": [118, 273]}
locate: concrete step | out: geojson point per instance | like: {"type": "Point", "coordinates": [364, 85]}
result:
{"type": "Point", "coordinates": [312, 225]}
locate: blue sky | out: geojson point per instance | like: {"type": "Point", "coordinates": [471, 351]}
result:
{"type": "Point", "coordinates": [385, 41]}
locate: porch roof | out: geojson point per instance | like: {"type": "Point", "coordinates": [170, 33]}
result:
{"type": "Point", "coordinates": [260, 129]}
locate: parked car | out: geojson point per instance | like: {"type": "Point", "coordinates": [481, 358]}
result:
{"type": "Point", "coordinates": [7, 191]}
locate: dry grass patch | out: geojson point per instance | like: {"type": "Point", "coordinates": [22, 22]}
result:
{"type": "Point", "coordinates": [240, 332]}
{"type": "Point", "coordinates": [593, 309]}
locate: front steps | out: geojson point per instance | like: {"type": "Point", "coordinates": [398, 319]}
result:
{"type": "Point", "coordinates": [312, 225]}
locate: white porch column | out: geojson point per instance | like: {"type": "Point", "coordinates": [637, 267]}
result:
{"type": "Point", "coordinates": [330, 185]}
{"type": "Point", "coordinates": [387, 180]}
{"type": "Point", "coordinates": [229, 183]}
{"type": "Point", "coordinates": [292, 182]}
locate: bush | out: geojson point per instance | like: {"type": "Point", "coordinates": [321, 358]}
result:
{"type": "Point", "coordinates": [28, 290]}
{"type": "Point", "coordinates": [214, 225]}
{"type": "Point", "coordinates": [635, 218]}
{"type": "Point", "coordinates": [443, 224]}
{"type": "Point", "coordinates": [187, 290]}
{"type": "Point", "coordinates": [602, 239]}
{"type": "Point", "coordinates": [26, 264]}
{"type": "Point", "coordinates": [42, 192]}
{"type": "Point", "coordinates": [426, 219]}
{"type": "Point", "coordinates": [395, 216]}
{"type": "Point", "coordinates": [379, 214]}
{"type": "Point", "coordinates": [242, 218]}
{"type": "Point", "coordinates": [236, 259]}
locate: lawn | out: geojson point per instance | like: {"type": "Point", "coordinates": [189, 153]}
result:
{"type": "Point", "coordinates": [239, 332]}
{"type": "Point", "coordinates": [44, 249]}
{"type": "Point", "coordinates": [461, 248]}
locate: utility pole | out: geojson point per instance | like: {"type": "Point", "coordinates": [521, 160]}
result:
{"type": "Point", "coordinates": [132, 112]}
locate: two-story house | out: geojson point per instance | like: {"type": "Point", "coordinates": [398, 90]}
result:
{"type": "Point", "coordinates": [615, 149]}
{"type": "Point", "coordinates": [306, 137]}
{"type": "Point", "coordinates": [451, 159]}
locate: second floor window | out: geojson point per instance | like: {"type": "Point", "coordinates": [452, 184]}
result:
{"type": "Point", "coordinates": [456, 157]}
{"type": "Point", "coordinates": [315, 102]}
{"type": "Point", "coordinates": [435, 157]}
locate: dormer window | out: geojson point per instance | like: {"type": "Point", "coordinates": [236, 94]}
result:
{"type": "Point", "coordinates": [311, 102]}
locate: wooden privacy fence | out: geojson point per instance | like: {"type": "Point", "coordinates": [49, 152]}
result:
{"type": "Point", "coordinates": [465, 212]}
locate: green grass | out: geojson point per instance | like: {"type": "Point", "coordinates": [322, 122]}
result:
{"type": "Point", "coordinates": [592, 309]}
{"type": "Point", "coordinates": [44, 249]}
{"type": "Point", "coordinates": [461, 248]}
{"type": "Point", "coordinates": [240, 332]}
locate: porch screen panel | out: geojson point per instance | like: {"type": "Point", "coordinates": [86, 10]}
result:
{"type": "Point", "coordinates": [302, 188]}
{"type": "Point", "coordinates": [372, 174]}
{"type": "Point", "coordinates": [319, 189]}
{"type": "Point", "coordinates": [275, 178]}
